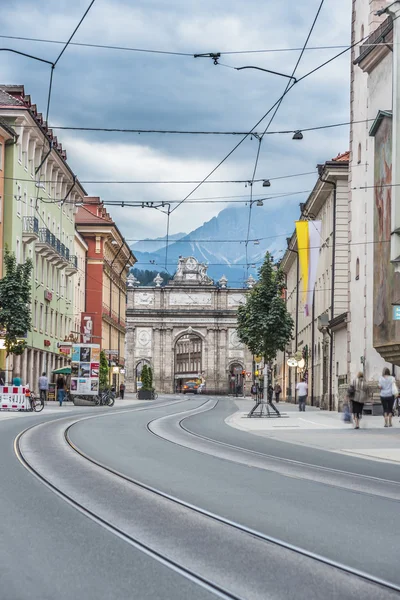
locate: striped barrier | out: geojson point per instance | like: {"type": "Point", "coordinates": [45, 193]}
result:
{"type": "Point", "coordinates": [13, 398]}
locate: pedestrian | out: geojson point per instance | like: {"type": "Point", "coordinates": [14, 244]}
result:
{"type": "Point", "coordinates": [17, 380]}
{"type": "Point", "coordinates": [277, 390]}
{"type": "Point", "coordinates": [358, 394]}
{"type": "Point", "coordinates": [43, 387]}
{"type": "Point", "coordinates": [60, 384]}
{"type": "Point", "coordinates": [254, 391]}
{"type": "Point", "coordinates": [389, 391]}
{"type": "Point", "coordinates": [270, 393]}
{"type": "Point", "coordinates": [122, 390]}
{"type": "Point", "coordinates": [302, 388]}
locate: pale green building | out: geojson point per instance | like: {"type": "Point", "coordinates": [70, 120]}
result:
{"type": "Point", "coordinates": [38, 218]}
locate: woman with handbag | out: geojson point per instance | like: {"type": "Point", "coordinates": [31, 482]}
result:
{"type": "Point", "coordinates": [358, 395]}
{"type": "Point", "coordinates": [389, 392]}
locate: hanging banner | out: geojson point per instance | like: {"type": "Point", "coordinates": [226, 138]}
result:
{"type": "Point", "coordinates": [308, 244]}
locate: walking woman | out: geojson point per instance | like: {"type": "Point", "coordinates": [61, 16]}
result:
{"type": "Point", "coordinates": [361, 393]}
{"type": "Point", "coordinates": [387, 385]}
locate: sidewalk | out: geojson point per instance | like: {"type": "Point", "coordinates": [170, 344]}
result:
{"type": "Point", "coordinates": [323, 429]}
{"type": "Point", "coordinates": [54, 408]}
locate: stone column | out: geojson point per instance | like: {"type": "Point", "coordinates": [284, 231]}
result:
{"type": "Point", "coordinates": [168, 359]}
{"type": "Point", "coordinates": [223, 359]}
{"type": "Point", "coordinates": [130, 360]}
{"type": "Point", "coordinates": [210, 359]}
{"type": "Point", "coordinates": [157, 358]}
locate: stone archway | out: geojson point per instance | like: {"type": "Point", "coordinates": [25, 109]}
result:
{"type": "Point", "coordinates": [236, 378]}
{"type": "Point", "coordinates": [188, 358]}
{"type": "Point", "coordinates": [138, 370]}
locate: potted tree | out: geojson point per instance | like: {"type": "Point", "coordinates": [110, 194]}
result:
{"type": "Point", "coordinates": [146, 392]}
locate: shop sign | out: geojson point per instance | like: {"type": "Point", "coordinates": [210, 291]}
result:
{"type": "Point", "coordinates": [48, 296]}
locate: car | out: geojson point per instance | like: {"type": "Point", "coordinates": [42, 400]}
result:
{"type": "Point", "coordinates": [190, 387]}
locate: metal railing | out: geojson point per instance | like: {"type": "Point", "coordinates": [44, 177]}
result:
{"type": "Point", "coordinates": [30, 225]}
{"type": "Point", "coordinates": [73, 260]}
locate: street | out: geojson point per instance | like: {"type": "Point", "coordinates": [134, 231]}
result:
{"type": "Point", "coordinates": [168, 500]}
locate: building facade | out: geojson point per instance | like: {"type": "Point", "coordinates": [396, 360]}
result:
{"type": "Point", "coordinates": [320, 338]}
{"type": "Point", "coordinates": [186, 330]}
{"type": "Point", "coordinates": [79, 286]}
{"type": "Point", "coordinates": [108, 261]}
{"type": "Point", "coordinates": [40, 193]}
{"type": "Point", "coordinates": [374, 206]}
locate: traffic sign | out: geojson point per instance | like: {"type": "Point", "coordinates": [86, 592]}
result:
{"type": "Point", "coordinates": [396, 313]}
{"type": "Point", "coordinates": [248, 374]}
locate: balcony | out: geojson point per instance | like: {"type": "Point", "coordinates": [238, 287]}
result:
{"type": "Point", "coordinates": [72, 266]}
{"type": "Point", "coordinates": [50, 247]}
{"type": "Point", "coordinates": [30, 229]}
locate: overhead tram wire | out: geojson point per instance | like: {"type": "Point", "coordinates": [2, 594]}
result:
{"type": "Point", "coordinates": [265, 115]}
{"type": "Point", "coordinates": [196, 132]}
{"type": "Point", "coordinates": [288, 87]}
{"type": "Point", "coordinates": [175, 53]}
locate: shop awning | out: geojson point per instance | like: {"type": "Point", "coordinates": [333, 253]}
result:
{"type": "Point", "coordinates": [63, 371]}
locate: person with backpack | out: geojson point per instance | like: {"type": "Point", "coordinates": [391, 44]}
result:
{"type": "Point", "coordinates": [358, 393]}
{"type": "Point", "coordinates": [389, 391]}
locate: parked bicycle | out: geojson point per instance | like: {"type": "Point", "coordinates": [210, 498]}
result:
{"type": "Point", "coordinates": [106, 397]}
{"type": "Point", "coordinates": [36, 404]}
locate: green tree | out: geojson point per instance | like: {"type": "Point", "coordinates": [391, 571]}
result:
{"type": "Point", "coordinates": [264, 324]}
{"type": "Point", "coordinates": [150, 377]}
{"type": "Point", "coordinates": [15, 300]}
{"type": "Point", "coordinates": [103, 371]}
{"type": "Point", "coordinates": [145, 377]}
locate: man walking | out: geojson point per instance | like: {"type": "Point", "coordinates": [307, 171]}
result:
{"type": "Point", "coordinates": [60, 389]}
{"type": "Point", "coordinates": [302, 388]}
{"type": "Point", "coordinates": [43, 388]}
{"type": "Point", "coordinates": [122, 391]}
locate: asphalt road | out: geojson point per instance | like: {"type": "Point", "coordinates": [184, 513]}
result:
{"type": "Point", "coordinates": [65, 554]}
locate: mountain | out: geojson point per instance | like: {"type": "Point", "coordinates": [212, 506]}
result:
{"type": "Point", "coordinates": [269, 225]}
{"type": "Point", "coordinates": [149, 245]}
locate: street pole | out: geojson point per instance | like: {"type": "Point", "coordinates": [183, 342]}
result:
{"type": "Point", "coordinates": [265, 382]}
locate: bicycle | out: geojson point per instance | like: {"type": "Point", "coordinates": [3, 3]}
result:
{"type": "Point", "coordinates": [106, 398]}
{"type": "Point", "coordinates": [36, 404]}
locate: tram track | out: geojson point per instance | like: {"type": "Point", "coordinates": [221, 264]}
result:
{"type": "Point", "coordinates": [342, 479]}
{"type": "Point", "coordinates": [380, 588]}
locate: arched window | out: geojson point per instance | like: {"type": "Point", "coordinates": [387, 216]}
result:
{"type": "Point", "coordinates": [359, 153]}
{"type": "Point", "coordinates": [357, 269]}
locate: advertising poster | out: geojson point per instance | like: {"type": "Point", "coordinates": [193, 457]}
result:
{"type": "Point", "coordinates": [85, 363]}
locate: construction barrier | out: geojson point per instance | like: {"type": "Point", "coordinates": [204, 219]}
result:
{"type": "Point", "coordinates": [13, 398]}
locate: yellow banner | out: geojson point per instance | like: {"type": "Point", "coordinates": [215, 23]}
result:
{"type": "Point", "coordinates": [303, 243]}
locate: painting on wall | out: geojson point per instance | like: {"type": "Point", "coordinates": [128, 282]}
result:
{"type": "Point", "coordinates": [384, 280]}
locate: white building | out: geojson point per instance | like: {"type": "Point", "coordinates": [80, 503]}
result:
{"type": "Point", "coordinates": [321, 337]}
{"type": "Point", "coordinates": [372, 280]}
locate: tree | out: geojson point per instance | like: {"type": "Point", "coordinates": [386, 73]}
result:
{"type": "Point", "coordinates": [15, 301]}
{"type": "Point", "coordinates": [103, 371]}
{"type": "Point", "coordinates": [150, 378]}
{"type": "Point", "coordinates": [264, 324]}
{"type": "Point", "coordinates": [145, 378]}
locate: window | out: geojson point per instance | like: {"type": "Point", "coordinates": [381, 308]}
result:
{"type": "Point", "coordinates": [56, 324]}
{"type": "Point", "coordinates": [46, 318]}
{"type": "Point", "coordinates": [31, 207]}
{"type": "Point", "coordinates": [51, 321]}
{"type": "Point", "coordinates": [359, 153]}
{"type": "Point", "coordinates": [25, 156]}
{"type": "Point", "coordinates": [1, 157]}
{"type": "Point", "coordinates": [357, 269]}
{"type": "Point", "coordinates": [18, 251]}
{"type": "Point", "coordinates": [19, 151]}
{"type": "Point", "coordinates": [41, 318]}
{"type": "Point", "coordinates": [42, 270]}
{"type": "Point", "coordinates": [35, 315]}
{"type": "Point", "coordinates": [37, 268]}
{"type": "Point", "coordinates": [18, 198]}
{"type": "Point", "coordinates": [25, 206]}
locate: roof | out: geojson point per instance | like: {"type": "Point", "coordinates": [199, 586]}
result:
{"type": "Point", "coordinates": [378, 36]}
{"type": "Point", "coordinates": [85, 216]}
{"type": "Point", "coordinates": [344, 157]}
{"type": "Point", "coordinates": [7, 100]}
{"type": "Point", "coordinates": [4, 125]}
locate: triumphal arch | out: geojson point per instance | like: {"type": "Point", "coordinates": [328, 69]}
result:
{"type": "Point", "coordinates": [186, 331]}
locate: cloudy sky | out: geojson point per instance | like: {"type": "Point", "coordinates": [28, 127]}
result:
{"type": "Point", "coordinates": [97, 87]}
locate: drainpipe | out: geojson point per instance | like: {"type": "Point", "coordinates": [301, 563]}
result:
{"type": "Point", "coordinates": [334, 185]}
